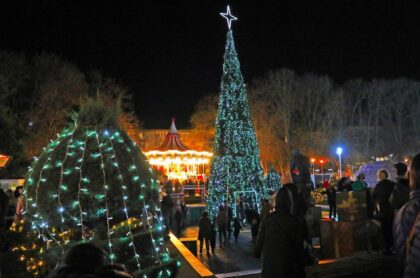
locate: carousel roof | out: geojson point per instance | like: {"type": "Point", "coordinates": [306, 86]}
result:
{"type": "Point", "coordinates": [172, 141]}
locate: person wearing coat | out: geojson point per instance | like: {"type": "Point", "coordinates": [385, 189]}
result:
{"type": "Point", "coordinates": [4, 202]}
{"type": "Point", "coordinates": [221, 221]}
{"type": "Point", "coordinates": [360, 183]}
{"type": "Point", "coordinates": [204, 232]}
{"type": "Point", "coordinates": [332, 201]}
{"type": "Point", "coordinates": [401, 192]}
{"type": "Point", "coordinates": [300, 206]}
{"type": "Point", "coordinates": [280, 241]}
{"type": "Point", "coordinates": [406, 227]}
{"type": "Point", "coordinates": [383, 210]}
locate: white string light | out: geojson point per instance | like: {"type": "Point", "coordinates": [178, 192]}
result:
{"type": "Point", "coordinates": [112, 255]}
{"type": "Point", "coordinates": [123, 191]}
{"type": "Point", "coordinates": [229, 17]}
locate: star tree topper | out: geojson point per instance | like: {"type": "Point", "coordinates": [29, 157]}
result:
{"type": "Point", "coordinates": [229, 17]}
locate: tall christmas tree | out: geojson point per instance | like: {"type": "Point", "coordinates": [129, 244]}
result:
{"type": "Point", "coordinates": [236, 168]}
{"type": "Point", "coordinates": [92, 184]}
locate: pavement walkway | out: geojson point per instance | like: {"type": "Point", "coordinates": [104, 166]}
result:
{"type": "Point", "coordinates": [234, 259]}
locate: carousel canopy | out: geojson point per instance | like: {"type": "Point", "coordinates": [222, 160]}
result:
{"type": "Point", "coordinates": [176, 160]}
{"type": "Point", "coordinates": [172, 141]}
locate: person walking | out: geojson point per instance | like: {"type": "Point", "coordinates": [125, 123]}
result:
{"type": "Point", "coordinates": [406, 227]}
{"type": "Point", "coordinates": [401, 192]}
{"type": "Point", "coordinates": [280, 241]}
{"type": "Point", "coordinates": [237, 227]}
{"type": "Point", "coordinates": [204, 232]}
{"type": "Point", "coordinates": [382, 208]}
{"type": "Point", "coordinates": [221, 221]}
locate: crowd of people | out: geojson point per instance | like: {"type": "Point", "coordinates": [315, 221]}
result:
{"type": "Point", "coordinates": [279, 231]}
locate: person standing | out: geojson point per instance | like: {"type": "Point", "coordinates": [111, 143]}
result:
{"type": "Point", "coordinates": [300, 206]}
{"type": "Point", "coordinates": [221, 221]}
{"type": "Point", "coordinates": [401, 192]}
{"type": "Point", "coordinates": [265, 209]}
{"type": "Point", "coordinates": [280, 241]}
{"type": "Point", "coordinates": [360, 183]}
{"type": "Point", "coordinates": [383, 210]}
{"type": "Point", "coordinates": [184, 210]}
{"type": "Point", "coordinates": [4, 202]}
{"type": "Point", "coordinates": [11, 209]}
{"type": "Point", "coordinates": [166, 206]}
{"type": "Point", "coordinates": [204, 232]}
{"type": "Point", "coordinates": [332, 201]}
{"type": "Point", "coordinates": [213, 236]}
{"type": "Point", "coordinates": [407, 226]}
{"type": "Point", "coordinates": [179, 219]}
{"type": "Point", "coordinates": [229, 218]}
{"type": "Point", "coordinates": [19, 207]}
{"type": "Point", "coordinates": [237, 227]}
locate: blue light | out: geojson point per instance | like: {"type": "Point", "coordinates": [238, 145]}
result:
{"type": "Point", "coordinates": [339, 150]}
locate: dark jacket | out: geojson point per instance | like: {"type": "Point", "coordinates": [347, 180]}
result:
{"type": "Point", "coordinates": [4, 202]}
{"type": "Point", "coordinates": [331, 194]}
{"type": "Point", "coordinates": [404, 220]}
{"type": "Point", "coordinates": [280, 242]}
{"type": "Point", "coordinates": [204, 226]}
{"type": "Point", "coordinates": [400, 194]}
{"type": "Point", "coordinates": [167, 203]}
{"type": "Point", "coordinates": [381, 196]}
{"type": "Point", "coordinates": [299, 204]}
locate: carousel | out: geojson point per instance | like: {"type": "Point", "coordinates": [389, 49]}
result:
{"type": "Point", "coordinates": [178, 162]}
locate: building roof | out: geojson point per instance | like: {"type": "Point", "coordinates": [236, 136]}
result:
{"type": "Point", "coordinates": [172, 141]}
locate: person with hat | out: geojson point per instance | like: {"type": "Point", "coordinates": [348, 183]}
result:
{"type": "Point", "coordinates": [401, 192]}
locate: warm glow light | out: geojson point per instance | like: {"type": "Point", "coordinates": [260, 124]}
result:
{"type": "Point", "coordinates": [176, 152]}
{"type": "Point", "coordinates": [313, 160]}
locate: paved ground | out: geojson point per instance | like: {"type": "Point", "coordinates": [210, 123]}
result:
{"type": "Point", "coordinates": [235, 257]}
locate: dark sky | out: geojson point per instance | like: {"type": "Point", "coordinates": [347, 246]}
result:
{"type": "Point", "coordinates": [169, 53]}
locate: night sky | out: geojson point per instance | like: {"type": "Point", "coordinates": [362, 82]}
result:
{"type": "Point", "coordinates": [170, 53]}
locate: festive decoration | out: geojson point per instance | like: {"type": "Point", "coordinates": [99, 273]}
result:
{"type": "Point", "coordinates": [273, 180]}
{"type": "Point", "coordinates": [229, 17]}
{"type": "Point", "coordinates": [176, 160]}
{"type": "Point", "coordinates": [236, 168]}
{"type": "Point", "coordinates": [91, 184]}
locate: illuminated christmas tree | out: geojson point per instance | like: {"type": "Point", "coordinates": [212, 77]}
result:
{"type": "Point", "coordinates": [273, 180]}
{"type": "Point", "coordinates": [236, 169]}
{"type": "Point", "coordinates": [92, 184]}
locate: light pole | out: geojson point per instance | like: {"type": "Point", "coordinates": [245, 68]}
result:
{"type": "Point", "coordinates": [339, 152]}
{"type": "Point", "coordinates": [322, 169]}
{"type": "Point", "coordinates": [313, 166]}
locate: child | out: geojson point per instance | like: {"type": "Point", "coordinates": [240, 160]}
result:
{"type": "Point", "coordinates": [236, 228]}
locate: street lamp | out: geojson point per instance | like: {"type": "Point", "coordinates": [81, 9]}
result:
{"type": "Point", "coordinates": [313, 166]}
{"type": "Point", "coordinates": [322, 169]}
{"type": "Point", "coordinates": [339, 152]}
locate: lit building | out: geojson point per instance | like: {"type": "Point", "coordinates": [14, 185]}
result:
{"type": "Point", "coordinates": [176, 160]}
